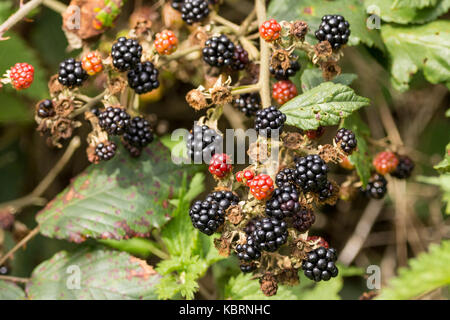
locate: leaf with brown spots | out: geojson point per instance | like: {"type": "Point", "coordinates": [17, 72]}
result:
{"type": "Point", "coordinates": [93, 274]}
{"type": "Point", "coordinates": [118, 199]}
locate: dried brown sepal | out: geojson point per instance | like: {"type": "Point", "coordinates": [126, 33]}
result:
{"type": "Point", "coordinates": [288, 277]}
{"type": "Point", "coordinates": [280, 58]}
{"type": "Point", "coordinates": [54, 86]}
{"type": "Point", "coordinates": [329, 153]}
{"type": "Point", "coordinates": [299, 29]}
{"type": "Point", "coordinates": [64, 107]}
{"type": "Point", "coordinates": [117, 85]}
{"type": "Point", "coordinates": [91, 155]}
{"type": "Point", "coordinates": [269, 285]}
{"type": "Point", "coordinates": [6, 219]}
{"type": "Point", "coordinates": [293, 140]}
{"type": "Point", "coordinates": [198, 37]}
{"type": "Point", "coordinates": [300, 248]}
{"type": "Point", "coordinates": [223, 245]}
{"type": "Point", "coordinates": [141, 20]}
{"type": "Point", "coordinates": [196, 99]}
{"type": "Point", "coordinates": [370, 295]}
{"type": "Point", "coordinates": [221, 95]}
{"type": "Point", "coordinates": [334, 195]}
{"type": "Point", "coordinates": [323, 50]}
{"type": "Point", "coordinates": [258, 151]}
{"type": "Point", "coordinates": [330, 69]}
{"type": "Point", "coordinates": [234, 214]}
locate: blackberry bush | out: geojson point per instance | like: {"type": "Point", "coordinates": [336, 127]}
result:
{"type": "Point", "coordinates": [270, 234]}
{"type": "Point", "coordinates": [105, 150]}
{"type": "Point", "coordinates": [280, 74]}
{"type": "Point", "coordinates": [303, 219]}
{"type": "Point", "coordinates": [377, 187]}
{"type": "Point", "coordinates": [404, 167]}
{"type": "Point", "coordinates": [346, 140]}
{"type": "Point", "coordinates": [225, 199]}
{"type": "Point", "coordinates": [285, 177]}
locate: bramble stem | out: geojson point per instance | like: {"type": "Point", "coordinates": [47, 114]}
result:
{"type": "Point", "coordinates": [181, 53]}
{"type": "Point", "coordinates": [28, 237]}
{"type": "Point", "coordinates": [14, 279]}
{"type": "Point", "coordinates": [55, 6]}
{"type": "Point", "coordinates": [18, 16]}
{"type": "Point", "coordinates": [264, 82]}
{"type": "Point", "coordinates": [219, 19]}
{"type": "Point", "coordinates": [246, 89]}
{"type": "Point", "coordinates": [91, 102]}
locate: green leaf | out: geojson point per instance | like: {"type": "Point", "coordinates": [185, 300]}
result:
{"type": "Point", "coordinates": [324, 105]}
{"type": "Point", "coordinates": [312, 11]}
{"type": "Point", "coordinates": [406, 14]}
{"type": "Point", "coordinates": [443, 181]}
{"type": "Point", "coordinates": [313, 77]}
{"type": "Point", "coordinates": [425, 48]}
{"type": "Point", "coordinates": [10, 291]}
{"type": "Point", "coordinates": [360, 158]}
{"type": "Point", "coordinates": [135, 246]}
{"type": "Point", "coordinates": [444, 165]}
{"type": "Point", "coordinates": [5, 10]}
{"type": "Point", "coordinates": [117, 199]}
{"type": "Point", "coordinates": [413, 3]}
{"type": "Point", "coordinates": [103, 275]}
{"type": "Point", "coordinates": [16, 50]}
{"type": "Point", "coordinates": [427, 272]}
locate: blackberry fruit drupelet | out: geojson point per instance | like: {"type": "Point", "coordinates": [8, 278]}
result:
{"type": "Point", "coordinates": [311, 173]}
{"type": "Point", "coordinates": [143, 78]}
{"type": "Point", "coordinates": [334, 29]}
{"type": "Point", "coordinates": [105, 151]}
{"type": "Point", "coordinates": [303, 219]}
{"type": "Point", "coordinates": [45, 109]}
{"type": "Point", "coordinates": [404, 168]}
{"type": "Point", "coordinates": [268, 120]}
{"type": "Point", "coordinates": [281, 74]}
{"type": "Point", "coordinates": [377, 187]}
{"type": "Point", "coordinates": [248, 103]}
{"type": "Point", "coordinates": [202, 143]}
{"type": "Point", "coordinates": [240, 58]}
{"type": "Point", "coordinates": [218, 51]}
{"type": "Point", "coordinates": [270, 234]}
{"type": "Point", "coordinates": [225, 199]}
{"type": "Point", "coordinates": [114, 120]}
{"type": "Point", "coordinates": [194, 11]}
{"type": "Point", "coordinates": [320, 264]}
{"type": "Point", "coordinates": [126, 54]}
{"type": "Point", "coordinates": [71, 74]}
{"type": "Point", "coordinates": [284, 177]}
{"type": "Point", "coordinates": [346, 140]}
{"type": "Point", "coordinates": [138, 133]}
{"type": "Point", "coordinates": [283, 203]}
{"type": "Point", "coordinates": [207, 216]}
{"type": "Point", "coordinates": [248, 252]}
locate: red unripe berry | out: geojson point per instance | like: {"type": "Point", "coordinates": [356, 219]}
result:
{"type": "Point", "coordinates": [283, 91]}
{"type": "Point", "coordinates": [318, 241]}
{"type": "Point", "coordinates": [385, 162]}
{"type": "Point", "coordinates": [92, 63]}
{"type": "Point", "coordinates": [245, 176]}
{"type": "Point", "coordinates": [315, 134]}
{"type": "Point", "coordinates": [220, 165]}
{"type": "Point", "coordinates": [21, 75]}
{"type": "Point", "coordinates": [261, 186]}
{"type": "Point", "coordinates": [270, 30]}
{"type": "Point", "coordinates": [166, 42]}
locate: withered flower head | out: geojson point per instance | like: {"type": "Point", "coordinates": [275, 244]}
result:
{"type": "Point", "coordinates": [269, 285]}
{"type": "Point", "coordinates": [280, 58]}
{"type": "Point", "coordinates": [330, 70]}
{"type": "Point", "coordinates": [196, 99]}
{"type": "Point", "coordinates": [198, 37]}
{"type": "Point", "coordinates": [299, 29]}
{"type": "Point", "coordinates": [323, 49]}
{"type": "Point", "coordinates": [221, 95]}
{"type": "Point", "coordinates": [117, 85]}
{"type": "Point", "coordinates": [234, 214]}
{"type": "Point", "coordinates": [62, 128]}
{"type": "Point", "coordinates": [293, 140]}
{"type": "Point", "coordinates": [64, 107]}
{"type": "Point", "coordinates": [54, 86]}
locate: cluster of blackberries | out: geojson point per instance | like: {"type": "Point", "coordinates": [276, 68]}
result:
{"type": "Point", "coordinates": [126, 55]}
{"type": "Point", "coordinates": [320, 264]}
{"type": "Point", "coordinates": [280, 74]}
{"type": "Point", "coordinates": [202, 143]}
{"type": "Point", "coordinates": [334, 29]}
{"type": "Point", "coordinates": [220, 51]}
{"type": "Point", "coordinates": [248, 103]}
{"type": "Point", "coordinates": [269, 120]}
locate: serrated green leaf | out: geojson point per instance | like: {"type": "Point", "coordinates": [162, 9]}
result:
{"type": "Point", "coordinates": [426, 272]}
{"type": "Point", "coordinates": [312, 11]}
{"type": "Point", "coordinates": [406, 14]}
{"type": "Point", "coordinates": [360, 158]}
{"type": "Point", "coordinates": [10, 291]}
{"type": "Point", "coordinates": [103, 274]}
{"type": "Point", "coordinates": [425, 48]}
{"type": "Point", "coordinates": [324, 105]}
{"type": "Point", "coordinates": [444, 165]}
{"type": "Point", "coordinates": [117, 199]}
{"type": "Point", "coordinates": [443, 181]}
{"type": "Point", "coordinates": [413, 3]}
{"type": "Point", "coordinates": [313, 77]}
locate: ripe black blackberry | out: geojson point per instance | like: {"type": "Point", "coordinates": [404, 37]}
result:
{"type": "Point", "coordinates": [268, 120]}
{"type": "Point", "coordinates": [105, 151]}
{"type": "Point", "coordinates": [71, 74]}
{"type": "Point", "coordinates": [248, 103]}
{"type": "Point", "coordinates": [194, 11]}
{"type": "Point", "coordinates": [283, 203]}
{"type": "Point", "coordinates": [377, 187]}
{"type": "Point", "coordinates": [250, 227]}
{"type": "Point", "coordinates": [218, 51]}
{"type": "Point", "coordinates": [138, 132]}
{"type": "Point", "coordinates": [240, 58]}
{"type": "Point", "coordinates": [270, 234]}
{"type": "Point", "coordinates": [126, 54]}
{"type": "Point", "coordinates": [303, 219]}
{"type": "Point", "coordinates": [281, 74]}
{"type": "Point", "coordinates": [225, 199]}
{"type": "Point", "coordinates": [207, 216]}
{"type": "Point", "coordinates": [346, 140]}
{"type": "Point", "coordinates": [143, 78]}
{"type": "Point", "coordinates": [335, 29]}
{"type": "Point", "coordinates": [284, 177]}
{"type": "Point", "coordinates": [404, 168]}
{"type": "Point", "coordinates": [326, 192]}
{"type": "Point", "coordinates": [114, 120]}
{"type": "Point", "coordinates": [45, 109]}
{"type": "Point", "coordinates": [176, 4]}
{"type": "Point", "coordinates": [311, 173]}
{"type": "Point", "coordinates": [320, 264]}
{"type": "Point", "coordinates": [248, 252]}
{"type": "Point", "coordinates": [247, 267]}
{"type": "Point", "coordinates": [202, 143]}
